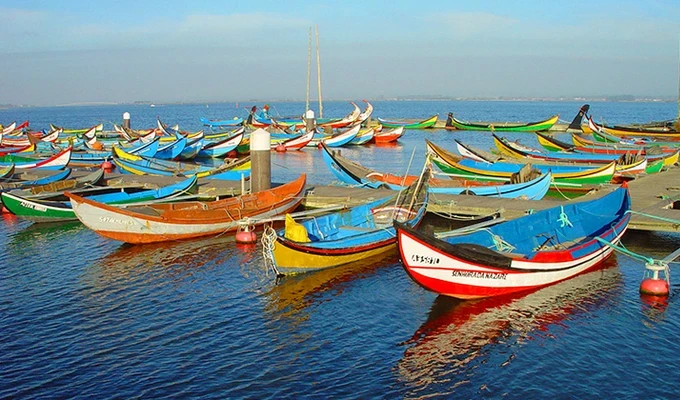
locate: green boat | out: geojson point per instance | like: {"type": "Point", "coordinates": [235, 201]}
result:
{"type": "Point", "coordinates": [424, 124]}
{"type": "Point", "coordinates": [453, 124]}
{"type": "Point", "coordinates": [58, 211]}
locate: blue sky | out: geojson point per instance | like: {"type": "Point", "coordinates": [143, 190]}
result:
{"type": "Point", "coordinates": [90, 51]}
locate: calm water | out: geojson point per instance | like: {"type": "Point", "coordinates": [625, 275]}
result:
{"type": "Point", "coordinates": [86, 317]}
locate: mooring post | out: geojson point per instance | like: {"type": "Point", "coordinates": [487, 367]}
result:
{"type": "Point", "coordinates": [310, 121]}
{"type": "Point", "coordinates": [260, 158]}
{"type": "Point", "coordinates": [126, 120]}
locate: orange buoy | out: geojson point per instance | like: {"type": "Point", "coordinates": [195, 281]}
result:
{"type": "Point", "coordinates": [107, 166]}
{"type": "Point", "coordinates": [319, 145]}
{"type": "Point", "coordinates": [281, 148]}
{"type": "Point", "coordinates": [654, 287]}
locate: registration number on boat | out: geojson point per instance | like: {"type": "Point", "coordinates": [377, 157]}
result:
{"type": "Point", "coordinates": [425, 259]}
{"type": "Point", "coordinates": [33, 206]}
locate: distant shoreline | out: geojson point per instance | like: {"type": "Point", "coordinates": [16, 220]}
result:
{"type": "Point", "coordinates": [608, 99]}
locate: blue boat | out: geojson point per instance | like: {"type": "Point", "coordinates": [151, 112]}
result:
{"type": "Point", "coordinates": [131, 164]}
{"type": "Point", "coordinates": [213, 123]}
{"type": "Point", "coordinates": [354, 174]}
{"type": "Point", "coordinates": [348, 235]}
{"type": "Point", "coordinates": [171, 149]}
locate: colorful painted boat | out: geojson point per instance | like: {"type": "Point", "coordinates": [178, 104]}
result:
{"type": "Point", "coordinates": [220, 148]}
{"type": "Point", "coordinates": [55, 161]}
{"type": "Point", "coordinates": [24, 180]}
{"type": "Point", "coordinates": [348, 235]}
{"type": "Point", "coordinates": [563, 242]}
{"type": "Point", "coordinates": [337, 140]}
{"type": "Point", "coordinates": [424, 124]}
{"type": "Point", "coordinates": [193, 147]}
{"type": "Point", "coordinates": [98, 128]}
{"type": "Point", "coordinates": [55, 188]}
{"type": "Point", "coordinates": [190, 219]}
{"type": "Point", "coordinates": [564, 175]}
{"type": "Point", "coordinates": [217, 123]}
{"type": "Point", "coordinates": [364, 136]}
{"type": "Point", "coordinates": [297, 142]}
{"type": "Point", "coordinates": [632, 131]}
{"type": "Point", "coordinates": [58, 211]}
{"type": "Point", "coordinates": [6, 172]}
{"type": "Point", "coordinates": [516, 150]}
{"type": "Point", "coordinates": [233, 169]}
{"type": "Point", "coordinates": [356, 175]}
{"type": "Point", "coordinates": [453, 123]}
{"type": "Point", "coordinates": [388, 135]}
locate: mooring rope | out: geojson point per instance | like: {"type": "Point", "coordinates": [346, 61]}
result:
{"type": "Point", "coordinates": [268, 241]}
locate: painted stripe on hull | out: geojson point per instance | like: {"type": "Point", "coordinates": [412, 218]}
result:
{"type": "Point", "coordinates": [454, 277]}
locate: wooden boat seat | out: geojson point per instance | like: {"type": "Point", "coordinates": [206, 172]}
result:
{"type": "Point", "coordinates": [356, 229]}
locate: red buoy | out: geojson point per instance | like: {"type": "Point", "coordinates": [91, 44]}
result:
{"type": "Point", "coordinates": [107, 166]}
{"type": "Point", "coordinates": [319, 145]}
{"type": "Point", "coordinates": [281, 148]}
{"type": "Point", "coordinates": [246, 236]}
{"type": "Point", "coordinates": [654, 287]}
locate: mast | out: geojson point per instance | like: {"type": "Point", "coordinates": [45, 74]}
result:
{"type": "Point", "coordinates": [309, 67]}
{"type": "Point", "coordinates": [318, 71]}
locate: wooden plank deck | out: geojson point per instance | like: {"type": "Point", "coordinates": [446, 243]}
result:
{"type": "Point", "coordinates": [652, 195]}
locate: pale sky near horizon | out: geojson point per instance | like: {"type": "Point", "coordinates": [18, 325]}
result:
{"type": "Point", "coordinates": [74, 51]}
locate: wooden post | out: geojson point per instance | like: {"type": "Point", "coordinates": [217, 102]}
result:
{"type": "Point", "coordinates": [126, 120]}
{"type": "Point", "coordinates": [260, 157]}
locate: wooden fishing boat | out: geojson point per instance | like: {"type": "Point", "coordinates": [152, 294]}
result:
{"type": "Point", "coordinates": [424, 124]}
{"type": "Point", "coordinates": [564, 175]}
{"type": "Point", "coordinates": [220, 148]}
{"type": "Point", "coordinates": [364, 136]}
{"type": "Point", "coordinates": [20, 149]}
{"type": "Point", "coordinates": [26, 139]}
{"type": "Point", "coordinates": [350, 119]}
{"type": "Point", "coordinates": [58, 211]}
{"type": "Point", "coordinates": [636, 131]}
{"type": "Point", "coordinates": [388, 135]}
{"type": "Point", "coordinates": [366, 114]}
{"type": "Point", "coordinates": [297, 142]}
{"type": "Point", "coordinates": [217, 123]}
{"type": "Point", "coordinates": [348, 235]}
{"type": "Point", "coordinates": [190, 219]}
{"type": "Point", "coordinates": [55, 161]}
{"type": "Point", "coordinates": [354, 174]}
{"type": "Point", "coordinates": [669, 154]}
{"type": "Point", "coordinates": [55, 188]}
{"type": "Point", "coordinates": [453, 123]}
{"type": "Point", "coordinates": [231, 169]}
{"type": "Point", "coordinates": [193, 147]}
{"type": "Point", "coordinates": [171, 149]}
{"type": "Point", "coordinates": [337, 140]}
{"type": "Point", "coordinates": [24, 179]}
{"type": "Point", "coordinates": [6, 172]}
{"type": "Point", "coordinates": [563, 241]}
{"type": "Point", "coordinates": [98, 128]}
{"type": "Point", "coordinates": [630, 162]}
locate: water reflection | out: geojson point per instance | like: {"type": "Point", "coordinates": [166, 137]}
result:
{"type": "Point", "coordinates": [293, 294]}
{"type": "Point", "coordinates": [178, 258]}
{"type": "Point", "coordinates": [458, 336]}
{"type": "Point", "coordinates": [36, 236]}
